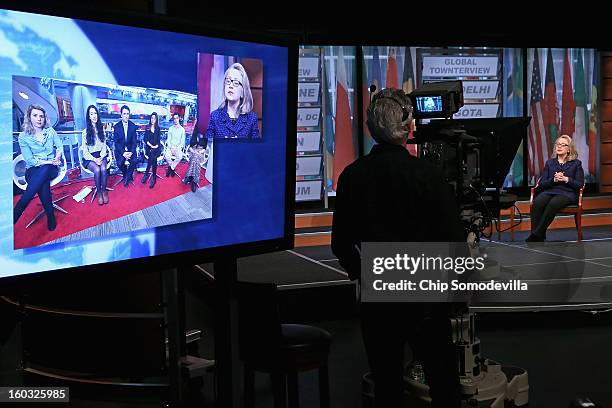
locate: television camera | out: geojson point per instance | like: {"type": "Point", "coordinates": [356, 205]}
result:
{"type": "Point", "coordinates": [474, 155]}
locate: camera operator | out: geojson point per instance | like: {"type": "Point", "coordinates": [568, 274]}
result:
{"type": "Point", "coordinates": [390, 196]}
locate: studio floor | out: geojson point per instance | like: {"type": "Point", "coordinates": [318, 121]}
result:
{"type": "Point", "coordinates": [565, 348]}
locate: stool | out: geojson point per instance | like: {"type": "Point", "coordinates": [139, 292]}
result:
{"type": "Point", "coordinates": [281, 350]}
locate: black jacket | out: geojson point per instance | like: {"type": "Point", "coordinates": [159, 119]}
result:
{"type": "Point", "coordinates": [121, 141]}
{"type": "Point", "coordinates": [154, 139]}
{"type": "Point", "coordinates": [391, 196]}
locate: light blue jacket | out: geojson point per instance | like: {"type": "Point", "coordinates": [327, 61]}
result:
{"type": "Point", "coordinates": [34, 151]}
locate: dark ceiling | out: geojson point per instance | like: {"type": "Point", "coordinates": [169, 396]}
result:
{"type": "Point", "coordinates": [430, 23]}
{"type": "Point", "coordinates": [382, 22]}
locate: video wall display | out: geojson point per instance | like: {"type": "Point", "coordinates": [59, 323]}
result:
{"type": "Point", "coordinates": [497, 82]}
{"type": "Point", "coordinates": [112, 147]}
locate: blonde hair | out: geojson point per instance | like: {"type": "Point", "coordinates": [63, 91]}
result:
{"type": "Point", "coordinates": [27, 123]}
{"type": "Point", "coordinates": [573, 153]}
{"type": "Point", "coordinates": [246, 102]}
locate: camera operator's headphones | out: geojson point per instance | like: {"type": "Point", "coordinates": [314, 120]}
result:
{"type": "Point", "coordinates": [405, 111]}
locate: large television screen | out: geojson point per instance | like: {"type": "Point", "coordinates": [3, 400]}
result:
{"type": "Point", "coordinates": [122, 143]}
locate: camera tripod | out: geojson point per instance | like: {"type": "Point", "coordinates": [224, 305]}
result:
{"type": "Point", "coordinates": [484, 382]}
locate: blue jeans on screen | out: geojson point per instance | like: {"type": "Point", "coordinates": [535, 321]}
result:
{"type": "Point", "coordinates": [39, 181]}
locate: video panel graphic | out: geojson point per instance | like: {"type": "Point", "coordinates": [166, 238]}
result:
{"type": "Point", "coordinates": [112, 158]}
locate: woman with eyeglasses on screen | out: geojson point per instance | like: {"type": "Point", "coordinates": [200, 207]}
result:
{"type": "Point", "coordinates": [234, 118]}
{"type": "Point", "coordinates": [559, 185]}
{"type": "Point", "coordinates": [41, 148]}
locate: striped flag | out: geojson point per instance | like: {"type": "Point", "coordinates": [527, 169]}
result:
{"type": "Point", "coordinates": [407, 87]}
{"type": "Point", "coordinates": [344, 152]}
{"type": "Point", "coordinates": [368, 141]}
{"type": "Point", "coordinates": [514, 104]}
{"type": "Point", "coordinates": [329, 128]}
{"type": "Point", "coordinates": [539, 143]}
{"type": "Point", "coordinates": [568, 110]}
{"type": "Point", "coordinates": [593, 136]}
{"type": "Point", "coordinates": [582, 115]}
{"type": "Point", "coordinates": [392, 81]}
{"type": "Point", "coordinates": [375, 75]}
{"type": "Point", "coordinates": [551, 108]}
{"type": "Point", "coordinates": [408, 77]}
{"type": "Point", "coordinates": [374, 78]}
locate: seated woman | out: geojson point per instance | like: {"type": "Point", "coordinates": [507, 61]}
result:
{"type": "Point", "coordinates": [234, 118]}
{"type": "Point", "coordinates": [152, 149]}
{"type": "Point", "coordinates": [197, 156]}
{"type": "Point", "coordinates": [95, 152]}
{"type": "Point", "coordinates": [41, 148]}
{"type": "Point", "coordinates": [559, 186]}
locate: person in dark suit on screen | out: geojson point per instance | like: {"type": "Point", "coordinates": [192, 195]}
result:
{"type": "Point", "coordinates": [124, 134]}
{"type": "Point", "coordinates": [234, 119]}
{"type": "Point", "coordinates": [391, 196]}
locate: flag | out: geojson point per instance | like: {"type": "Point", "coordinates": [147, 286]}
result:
{"type": "Point", "coordinates": [514, 105]}
{"type": "Point", "coordinates": [375, 74]}
{"type": "Point", "coordinates": [582, 115]}
{"type": "Point", "coordinates": [550, 106]}
{"type": "Point", "coordinates": [368, 141]}
{"type": "Point", "coordinates": [344, 152]}
{"type": "Point", "coordinates": [539, 149]}
{"type": "Point", "coordinates": [518, 82]}
{"type": "Point", "coordinates": [374, 78]}
{"type": "Point", "coordinates": [408, 77]}
{"type": "Point", "coordinates": [328, 129]}
{"type": "Point", "coordinates": [568, 107]}
{"type": "Point", "coordinates": [392, 81]}
{"type": "Point", "coordinates": [514, 84]}
{"type": "Point", "coordinates": [593, 136]}
{"type": "Point", "coordinates": [407, 87]}
{"type": "Point", "coordinates": [328, 124]}
{"type": "Point", "coordinates": [509, 105]}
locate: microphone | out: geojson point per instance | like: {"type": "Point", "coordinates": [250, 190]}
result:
{"type": "Point", "coordinates": [372, 90]}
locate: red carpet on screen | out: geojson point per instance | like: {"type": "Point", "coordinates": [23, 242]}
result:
{"type": "Point", "coordinates": [122, 201]}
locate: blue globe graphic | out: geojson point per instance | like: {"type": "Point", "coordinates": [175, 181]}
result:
{"type": "Point", "coordinates": [46, 47]}
{"type": "Point", "coordinates": [49, 47]}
